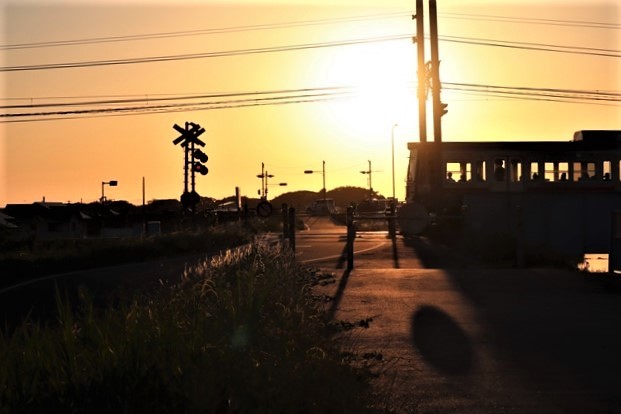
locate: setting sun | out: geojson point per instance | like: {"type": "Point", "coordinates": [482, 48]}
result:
{"type": "Point", "coordinates": [380, 80]}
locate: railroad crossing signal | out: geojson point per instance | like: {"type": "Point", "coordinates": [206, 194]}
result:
{"type": "Point", "coordinates": [193, 161]}
{"type": "Point", "coordinates": [189, 135]}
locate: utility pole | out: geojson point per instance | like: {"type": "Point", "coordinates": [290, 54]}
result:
{"type": "Point", "coordinates": [422, 71]}
{"type": "Point", "coordinates": [264, 176]}
{"type": "Point", "coordinates": [439, 109]}
{"type": "Point", "coordinates": [369, 173]}
{"type": "Point", "coordinates": [324, 179]}
{"type": "Point", "coordinates": [323, 173]}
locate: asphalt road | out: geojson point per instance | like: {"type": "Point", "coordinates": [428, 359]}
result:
{"type": "Point", "coordinates": [444, 335]}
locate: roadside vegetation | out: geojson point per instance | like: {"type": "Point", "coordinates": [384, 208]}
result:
{"type": "Point", "coordinates": [240, 333]}
{"type": "Point", "coordinates": [23, 259]}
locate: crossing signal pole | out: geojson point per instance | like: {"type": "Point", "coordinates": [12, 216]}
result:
{"type": "Point", "coordinates": [194, 160]}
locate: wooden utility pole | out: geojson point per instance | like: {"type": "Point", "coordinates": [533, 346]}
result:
{"type": "Point", "coordinates": [439, 108]}
{"type": "Point", "coordinates": [422, 71]}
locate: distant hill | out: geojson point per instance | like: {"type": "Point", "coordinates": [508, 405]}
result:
{"type": "Point", "coordinates": [342, 196]}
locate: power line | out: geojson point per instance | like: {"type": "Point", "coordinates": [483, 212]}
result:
{"type": "Point", "coordinates": [174, 97]}
{"type": "Point", "coordinates": [333, 89]}
{"type": "Point", "coordinates": [304, 95]}
{"type": "Point", "coordinates": [454, 39]}
{"type": "Point", "coordinates": [533, 46]}
{"type": "Point", "coordinates": [205, 55]}
{"type": "Point", "coordinates": [300, 23]}
{"type": "Point", "coordinates": [199, 32]}
{"type": "Point", "coordinates": [530, 20]}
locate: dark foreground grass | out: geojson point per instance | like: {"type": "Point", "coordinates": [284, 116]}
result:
{"type": "Point", "coordinates": [240, 333]}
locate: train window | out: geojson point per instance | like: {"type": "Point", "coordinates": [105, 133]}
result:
{"type": "Point", "coordinates": [465, 172]}
{"type": "Point", "coordinates": [499, 169]}
{"type": "Point", "coordinates": [607, 171]}
{"type": "Point", "coordinates": [535, 174]}
{"type": "Point", "coordinates": [563, 171]}
{"type": "Point", "coordinates": [515, 172]}
{"type": "Point", "coordinates": [479, 171]}
{"type": "Point", "coordinates": [453, 171]}
{"type": "Point", "coordinates": [584, 171]}
{"type": "Point", "coordinates": [577, 171]}
{"type": "Point", "coordinates": [549, 171]}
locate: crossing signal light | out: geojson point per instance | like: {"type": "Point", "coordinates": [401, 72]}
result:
{"type": "Point", "coordinates": [200, 155]}
{"type": "Point", "coordinates": [200, 168]}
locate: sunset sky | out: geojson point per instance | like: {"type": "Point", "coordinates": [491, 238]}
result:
{"type": "Point", "coordinates": [287, 83]}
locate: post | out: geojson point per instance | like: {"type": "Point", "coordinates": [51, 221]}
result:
{"type": "Point", "coordinates": [285, 221]}
{"type": "Point", "coordinates": [351, 235]}
{"type": "Point", "coordinates": [392, 231]}
{"type": "Point", "coordinates": [435, 72]}
{"type": "Point", "coordinates": [292, 228]}
{"type": "Point", "coordinates": [324, 180]}
{"type": "Point", "coordinates": [422, 72]}
{"type": "Point", "coordinates": [392, 144]}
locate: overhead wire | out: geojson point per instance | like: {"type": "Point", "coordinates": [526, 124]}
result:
{"type": "Point", "coordinates": [287, 96]}
{"type": "Point", "coordinates": [198, 32]}
{"type": "Point", "coordinates": [204, 55]}
{"type": "Point", "coordinates": [301, 23]}
{"type": "Point", "coordinates": [302, 94]}
{"type": "Point", "coordinates": [350, 42]}
{"type": "Point", "coordinates": [531, 20]}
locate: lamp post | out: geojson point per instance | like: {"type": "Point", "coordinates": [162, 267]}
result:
{"type": "Point", "coordinates": [323, 172]}
{"type": "Point", "coordinates": [392, 141]}
{"type": "Point", "coordinates": [111, 183]}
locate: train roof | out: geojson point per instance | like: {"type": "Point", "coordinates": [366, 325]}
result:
{"type": "Point", "coordinates": [586, 140]}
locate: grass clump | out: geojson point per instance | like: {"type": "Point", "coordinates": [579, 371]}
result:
{"type": "Point", "coordinates": [239, 333]}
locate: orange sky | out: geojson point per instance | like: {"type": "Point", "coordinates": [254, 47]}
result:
{"type": "Point", "coordinates": [66, 160]}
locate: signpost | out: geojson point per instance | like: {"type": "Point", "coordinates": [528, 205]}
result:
{"type": "Point", "coordinates": [264, 209]}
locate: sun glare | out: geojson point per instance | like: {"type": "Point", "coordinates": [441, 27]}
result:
{"type": "Point", "coordinates": [380, 81]}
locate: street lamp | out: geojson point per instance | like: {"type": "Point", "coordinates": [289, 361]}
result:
{"type": "Point", "coordinates": [111, 183]}
{"type": "Point", "coordinates": [278, 184]}
{"type": "Point", "coordinates": [392, 141]}
{"type": "Point", "coordinates": [323, 172]}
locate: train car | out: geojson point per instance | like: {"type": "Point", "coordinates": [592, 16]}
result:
{"type": "Point", "coordinates": [556, 194]}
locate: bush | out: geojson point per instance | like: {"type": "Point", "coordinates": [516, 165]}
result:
{"type": "Point", "coordinates": [240, 333]}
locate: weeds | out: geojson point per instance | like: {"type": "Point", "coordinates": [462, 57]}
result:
{"type": "Point", "coordinates": [30, 260]}
{"type": "Point", "coordinates": [239, 333]}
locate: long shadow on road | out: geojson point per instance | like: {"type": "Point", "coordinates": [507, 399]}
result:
{"type": "Point", "coordinates": [554, 332]}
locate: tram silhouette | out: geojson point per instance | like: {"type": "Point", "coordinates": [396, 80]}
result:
{"type": "Point", "coordinates": [555, 194]}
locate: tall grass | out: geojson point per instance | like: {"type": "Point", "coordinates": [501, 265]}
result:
{"type": "Point", "coordinates": [239, 333]}
{"type": "Point", "coordinates": [46, 257]}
